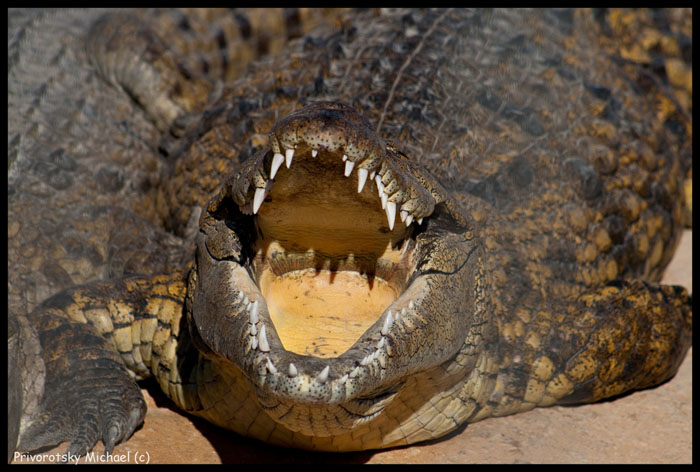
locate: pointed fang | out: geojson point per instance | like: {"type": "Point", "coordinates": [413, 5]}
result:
{"type": "Point", "coordinates": [361, 179]}
{"type": "Point", "coordinates": [253, 312]}
{"type": "Point", "coordinates": [292, 370]}
{"type": "Point", "coordinates": [262, 341]}
{"type": "Point", "coordinates": [323, 376]}
{"type": "Point", "coordinates": [258, 199]}
{"type": "Point", "coordinates": [387, 324]}
{"type": "Point", "coordinates": [348, 167]}
{"type": "Point", "coordinates": [391, 213]}
{"type": "Point", "coordinates": [289, 153]}
{"type": "Point", "coordinates": [277, 161]}
{"type": "Point", "coordinates": [314, 153]}
{"type": "Point", "coordinates": [271, 367]}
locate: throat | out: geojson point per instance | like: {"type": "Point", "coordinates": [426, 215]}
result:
{"type": "Point", "coordinates": [322, 313]}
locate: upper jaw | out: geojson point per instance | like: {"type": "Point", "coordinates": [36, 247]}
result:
{"type": "Point", "coordinates": [326, 127]}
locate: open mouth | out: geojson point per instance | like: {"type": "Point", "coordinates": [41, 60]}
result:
{"type": "Point", "coordinates": [319, 243]}
{"type": "Point", "coordinates": [328, 259]}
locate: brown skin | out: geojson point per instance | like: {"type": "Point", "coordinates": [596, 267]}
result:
{"type": "Point", "coordinates": [549, 169]}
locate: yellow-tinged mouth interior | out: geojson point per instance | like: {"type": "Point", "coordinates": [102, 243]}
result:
{"type": "Point", "coordinates": [323, 313]}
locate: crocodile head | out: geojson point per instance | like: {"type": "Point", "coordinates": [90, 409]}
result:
{"type": "Point", "coordinates": [329, 270]}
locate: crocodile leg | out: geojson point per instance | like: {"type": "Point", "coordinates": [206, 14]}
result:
{"type": "Point", "coordinates": [91, 343]}
{"type": "Point", "coordinates": [637, 334]}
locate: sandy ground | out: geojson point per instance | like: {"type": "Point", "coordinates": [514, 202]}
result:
{"type": "Point", "coordinates": [650, 426]}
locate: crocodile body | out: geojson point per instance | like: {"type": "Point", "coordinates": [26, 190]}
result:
{"type": "Point", "coordinates": [415, 220]}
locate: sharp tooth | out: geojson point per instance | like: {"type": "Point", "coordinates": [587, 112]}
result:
{"type": "Point", "coordinates": [345, 157]}
{"type": "Point", "coordinates": [348, 167]}
{"type": "Point", "coordinates": [409, 220]}
{"type": "Point", "coordinates": [292, 370]}
{"type": "Point", "coordinates": [314, 153]}
{"type": "Point", "coordinates": [277, 161]}
{"type": "Point", "coordinates": [288, 154]}
{"type": "Point", "coordinates": [343, 379]}
{"type": "Point", "coordinates": [387, 324]}
{"type": "Point", "coordinates": [403, 311]}
{"type": "Point", "coordinates": [361, 179]}
{"type": "Point", "coordinates": [240, 294]}
{"type": "Point", "coordinates": [262, 342]}
{"type": "Point", "coordinates": [253, 330]}
{"type": "Point", "coordinates": [246, 302]}
{"type": "Point", "coordinates": [420, 221]}
{"type": "Point", "coordinates": [271, 367]}
{"type": "Point", "coordinates": [384, 198]}
{"type": "Point", "coordinates": [372, 174]}
{"type": "Point", "coordinates": [411, 304]}
{"type": "Point", "coordinates": [254, 343]}
{"type": "Point", "coordinates": [258, 199]}
{"type": "Point", "coordinates": [391, 213]}
{"type": "Point", "coordinates": [323, 376]}
{"type": "Point", "coordinates": [403, 214]}
{"type": "Point", "coordinates": [381, 342]}
{"type": "Point", "coordinates": [254, 312]}
{"type": "Point", "coordinates": [354, 372]}
{"type": "Point", "coordinates": [380, 184]}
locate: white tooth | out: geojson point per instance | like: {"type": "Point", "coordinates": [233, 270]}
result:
{"type": "Point", "coordinates": [361, 178]}
{"type": "Point", "coordinates": [258, 199]}
{"type": "Point", "coordinates": [348, 167]}
{"type": "Point", "coordinates": [271, 367]}
{"type": "Point", "coordinates": [409, 220]}
{"type": "Point", "coordinates": [354, 372]}
{"type": "Point", "coordinates": [366, 360]}
{"type": "Point", "coordinates": [254, 344]}
{"type": "Point", "coordinates": [391, 213]}
{"type": "Point", "coordinates": [403, 214]}
{"type": "Point", "coordinates": [277, 161]}
{"type": "Point", "coordinates": [380, 184]}
{"type": "Point", "coordinates": [247, 303]}
{"type": "Point", "coordinates": [314, 153]}
{"type": "Point", "coordinates": [371, 176]}
{"type": "Point", "coordinates": [253, 330]}
{"type": "Point", "coordinates": [420, 221]}
{"type": "Point", "coordinates": [343, 379]}
{"type": "Point", "coordinates": [240, 294]}
{"type": "Point", "coordinates": [381, 342]}
{"type": "Point", "coordinates": [264, 346]}
{"type": "Point", "coordinates": [288, 154]}
{"type": "Point", "coordinates": [387, 324]}
{"type": "Point", "coordinates": [254, 312]}
{"type": "Point", "coordinates": [292, 370]}
{"type": "Point", "coordinates": [411, 304]}
{"type": "Point", "coordinates": [323, 376]}
{"type": "Point", "coordinates": [403, 311]}
{"type": "Point", "coordinates": [385, 198]}
{"type": "Point", "coordinates": [345, 158]}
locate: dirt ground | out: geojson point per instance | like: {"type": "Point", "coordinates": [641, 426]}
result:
{"type": "Point", "coordinates": [650, 426]}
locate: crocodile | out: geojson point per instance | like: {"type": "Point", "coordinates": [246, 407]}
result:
{"type": "Point", "coordinates": [400, 222]}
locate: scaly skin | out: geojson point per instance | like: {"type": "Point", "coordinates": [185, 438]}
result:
{"type": "Point", "coordinates": [542, 168]}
